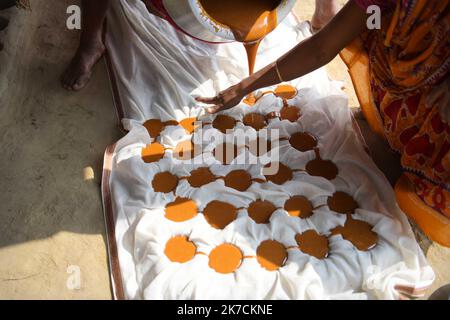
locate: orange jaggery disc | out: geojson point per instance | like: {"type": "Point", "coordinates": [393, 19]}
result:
{"type": "Point", "coordinates": [185, 150]}
{"type": "Point", "coordinates": [290, 113]}
{"type": "Point", "coordinates": [312, 243]}
{"type": "Point", "coordinates": [225, 152]}
{"type": "Point", "coordinates": [303, 141]}
{"type": "Point", "coordinates": [219, 214]}
{"type": "Point", "coordinates": [189, 124]}
{"type": "Point", "coordinates": [271, 255]}
{"type": "Point", "coordinates": [154, 127]}
{"type": "Point", "coordinates": [180, 249]}
{"type": "Point", "coordinates": [342, 202]}
{"type": "Point", "coordinates": [358, 232]}
{"type": "Point", "coordinates": [152, 152]}
{"type": "Point", "coordinates": [240, 180]}
{"type": "Point", "coordinates": [285, 91]}
{"type": "Point", "coordinates": [200, 177]}
{"type": "Point", "coordinates": [299, 206]}
{"type": "Point", "coordinates": [255, 120]}
{"type": "Point", "coordinates": [250, 99]}
{"type": "Point", "coordinates": [224, 123]}
{"type": "Point", "coordinates": [260, 146]}
{"type": "Point", "coordinates": [283, 175]}
{"type": "Point", "coordinates": [164, 182]}
{"type": "Point", "coordinates": [322, 168]}
{"type": "Point", "coordinates": [225, 258]}
{"type": "Point", "coordinates": [261, 211]}
{"type": "Point", "coordinates": [182, 209]}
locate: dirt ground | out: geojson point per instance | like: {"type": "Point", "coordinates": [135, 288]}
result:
{"type": "Point", "coordinates": [51, 152]}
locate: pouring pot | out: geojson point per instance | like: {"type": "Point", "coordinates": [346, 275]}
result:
{"type": "Point", "coordinates": [188, 16]}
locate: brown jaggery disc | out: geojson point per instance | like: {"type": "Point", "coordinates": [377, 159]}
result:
{"type": "Point", "coordinates": [261, 211]}
{"type": "Point", "coordinates": [189, 124]}
{"type": "Point", "coordinates": [185, 150]}
{"type": "Point", "coordinates": [255, 120]}
{"type": "Point", "coordinates": [171, 123]}
{"type": "Point", "coordinates": [225, 152]}
{"type": "Point", "coordinates": [299, 206]}
{"type": "Point", "coordinates": [164, 182]}
{"type": "Point", "coordinates": [154, 127]}
{"type": "Point", "coordinates": [152, 152]}
{"type": "Point", "coordinates": [225, 258]}
{"type": "Point", "coordinates": [271, 255]}
{"type": "Point", "coordinates": [182, 209]}
{"type": "Point", "coordinates": [260, 146]}
{"type": "Point", "coordinates": [322, 168]}
{"type": "Point", "coordinates": [303, 141]}
{"type": "Point", "coordinates": [180, 249]}
{"type": "Point", "coordinates": [283, 175]}
{"type": "Point", "coordinates": [358, 232]}
{"type": "Point", "coordinates": [285, 91]}
{"type": "Point", "coordinates": [312, 243]}
{"type": "Point", "coordinates": [290, 113]}
{"type": "Point", "coordinates": [219, 214]}
{"type": "Point", "coordinates": [200, 177]}
{"type": "Point", "coordinates": [224, 123]}
{"type": "Point", "coordinates": [239, 180]}
{"type": "Point", "coordinates": [342, 202]}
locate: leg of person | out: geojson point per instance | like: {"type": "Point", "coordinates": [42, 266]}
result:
{"type": "Point", "coordinates": [324, 12]}
{"type": "Point", "coordinates": [91, 47]}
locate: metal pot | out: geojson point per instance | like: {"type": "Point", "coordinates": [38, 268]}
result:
{"type": "Point", "coordinates": [188, 16]}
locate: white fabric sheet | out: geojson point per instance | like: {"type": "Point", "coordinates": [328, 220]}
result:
{"type": "Point", "coordinates": [158, 71]}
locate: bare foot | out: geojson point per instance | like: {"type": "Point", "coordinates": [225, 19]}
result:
{"type": "Point", "coordinates": [325, 11]}
{"type": "Point", "coordinates": [79, 72]}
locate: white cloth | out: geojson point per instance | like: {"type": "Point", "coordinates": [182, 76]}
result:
{"type": "Point", "coordinates": [159, 70]}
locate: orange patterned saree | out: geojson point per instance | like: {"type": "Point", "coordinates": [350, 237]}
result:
{"type": "Point", "coordinates": [405, 96]}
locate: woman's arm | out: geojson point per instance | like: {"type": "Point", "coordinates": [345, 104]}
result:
{"type": "Point", "coordinates": [304, 58]}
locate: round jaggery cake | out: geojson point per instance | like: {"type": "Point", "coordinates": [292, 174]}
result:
{"type": "Point", "coordinates": [303, 141]}
{"type": "Point", "coordinates": [225, 152]}
{"type": "Point", "coordinates": [152, 152]}
{"type": "Point", "coordinates": [225, 258]}
{"type": "Point", "coordinates": [171, 123]}
{"type": "Point", "coordinates": [180, 249]}
{"type": "Point", "coordinates": [285, 91]}
{"type": "Point", "coordinates": [219, 214]}
{"type": "Point", "coordinates": [299, 206]}
{"type": "Point", "coordinates": [322, 168]}
{"type": "Point", "coordinates": [189, 124]}
{"type": "Point", "coordinates": [281, 176]}
{"type": "Point", "coordinates": [271, 255]}
{"type": "Point", "coordinates": [182, 209]}
{"type": "Point", "coordinates": [358, 232]}
{"type": "Point", "coordinates": [261, 211]}
{"type": "Point", "coordinates": [200, 177]}
{"type": "Point", "coordinates": [224, 123]}
{"type": "Point", "coordinates": [255, 120]}
{"type": "Point", "coordinates": [290, 113]}
{"type": "Point", "coordinates": [250, 99]}
{"type": "Point", "coordinates": [154, 127]}
{"type": "Point", "coordinates": [342, 202]}
{"type": "Point", "coordinates": [260, 146]}
{"type": "Point", "coordinates": [185, 150]}
{"type": "Point", "coordinates": [312, 243]}
{"type": "Point", "coordinates": [164, 182]}
{"type": "Point", "coordinates": [239, 180]}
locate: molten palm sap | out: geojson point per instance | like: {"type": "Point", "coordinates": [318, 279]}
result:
{"type": "Point", "coordinates": [249, 20]}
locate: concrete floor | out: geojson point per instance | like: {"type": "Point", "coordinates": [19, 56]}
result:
{"type": "Point", "coordinates": [51, 152]}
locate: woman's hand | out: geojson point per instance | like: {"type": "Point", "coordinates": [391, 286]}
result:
{"type": "Point", "coordinates": [225, 100]}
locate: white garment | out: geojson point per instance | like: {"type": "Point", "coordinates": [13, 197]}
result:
{"type": "Point", "coordinates": [158, 71]}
